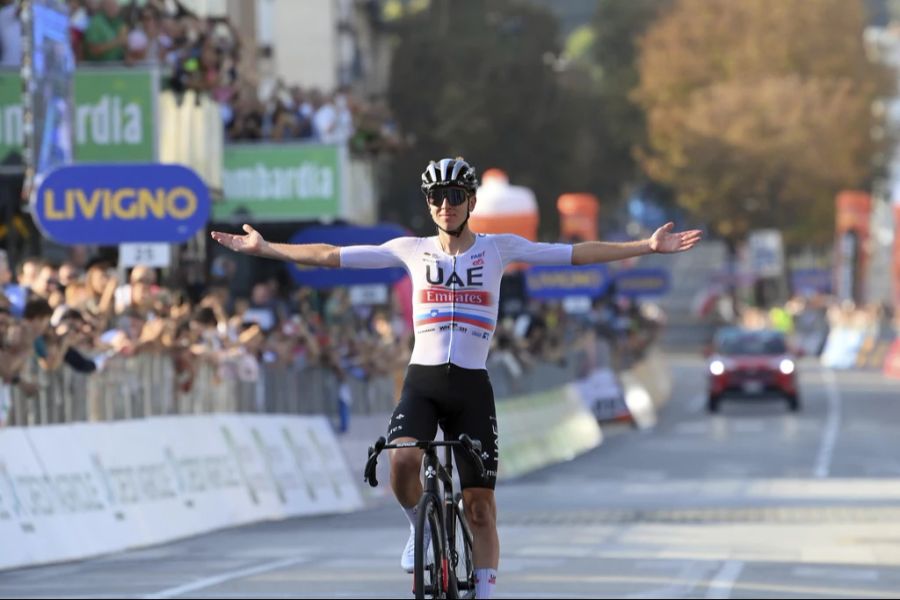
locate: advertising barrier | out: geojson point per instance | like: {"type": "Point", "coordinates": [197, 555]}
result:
{"type": "Point", "coordinates": [544, 428]}
{"type": "Point", "coordinates": [553, 283]}
{"type": "Point", "coordinates": [346, 235]}
{"type": "Point", "coordinates": [892, 360]}
{"type": "Point", "coordinates": [72, 491]}
{"type": "Point", "coordinates": [603, 395]}
{"type": "Point", "coordinates": [112, 204]}
{"type": "Point", "coordinates": [842, 347]}
{"type": "Point", "coordinates": [281, 182]}
{"type": "Point", "coordinates": [637, 283]}
{"type": "Point", "coordinates": [114, 116]}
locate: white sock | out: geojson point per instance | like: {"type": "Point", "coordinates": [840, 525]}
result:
{"type": "Point", "coordinates": [411, 515]}
{"type": "Point", "coordinates": [485, 580]}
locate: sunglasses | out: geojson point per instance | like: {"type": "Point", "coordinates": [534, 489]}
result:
{"type": "Point", "coordinates": [453, 196]}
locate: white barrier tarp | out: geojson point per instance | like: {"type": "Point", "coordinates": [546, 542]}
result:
{"type": "Point", "coordinates": [72, 491]}
{"type": "Point", "coordinates": [27, 528]}
{"type": "Point", "coordinates": [78, 518]}
{"type": "Point", "coordinates": [313, 444]}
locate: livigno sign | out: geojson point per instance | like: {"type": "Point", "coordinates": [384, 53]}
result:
{"type": "Point", "coordinates": [123, 203]}
{"type": "Point", "coordinates": [280, 182]}
{"type": "Point", "coordinates": [114, 116]}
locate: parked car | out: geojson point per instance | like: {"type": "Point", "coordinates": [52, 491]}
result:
{"type": "Point", "coordinates": [751, 363]}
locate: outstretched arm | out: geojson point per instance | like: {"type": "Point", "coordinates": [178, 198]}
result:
{"type": "Point", "coordinates": [317, 255]}
{"type": "Point", "coordinates": [662, 241]}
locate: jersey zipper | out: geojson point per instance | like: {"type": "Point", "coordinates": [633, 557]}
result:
{"type": "Point", "coordinates": [452, 313]}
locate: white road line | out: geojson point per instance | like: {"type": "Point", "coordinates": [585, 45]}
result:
{"type": "Point", "coordinates": [843, 574]}
{"type": "Point", "coordinates": [832, 426]}
{"type": "Point", "coordinates": [684, 583]}
{"type": "Point", "coordinates": [723, 581]}
{"type": "Point", "coordinates": [223, 577]}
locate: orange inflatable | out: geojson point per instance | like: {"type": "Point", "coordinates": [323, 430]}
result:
{"type": "Point", "coordinates": [504, 208]}
{"type": "Point", "coordinates": [578, 216]}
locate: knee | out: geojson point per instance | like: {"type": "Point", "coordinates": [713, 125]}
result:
{"type": "Point", "coordinates": [482, 512]}
{"type": "Point", "coordinates": [406, 462]}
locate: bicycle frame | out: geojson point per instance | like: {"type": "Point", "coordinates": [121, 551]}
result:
{"type": "Point", "coordinates": [450, 510]}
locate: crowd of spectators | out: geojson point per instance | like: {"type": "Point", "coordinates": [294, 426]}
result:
{"type": "Point", "coordinates": [79, 314]}
{"type": "Point", "coordinates": [203, 54]}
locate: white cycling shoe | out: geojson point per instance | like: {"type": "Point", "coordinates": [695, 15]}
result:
{"type": "Point", "coordinates": [408, 558]}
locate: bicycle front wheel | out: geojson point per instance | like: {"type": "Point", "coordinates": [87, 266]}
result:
{"type": "Point", "coordinates": [431, 575]}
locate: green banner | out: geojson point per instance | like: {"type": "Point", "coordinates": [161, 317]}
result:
{"type": "Point", "coordinates": [280, 182]}
{"type": "Point", "coordinates": [10, 112]}
{"type": "Point", "coordinates": [114, 116]}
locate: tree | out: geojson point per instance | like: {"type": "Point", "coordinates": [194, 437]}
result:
{"type": "Point", "coordinates": [617, 27]}
{"type": "Point", "coordinates": [760, 112]}
{"type": "Point", "coordinates": [476, 79]}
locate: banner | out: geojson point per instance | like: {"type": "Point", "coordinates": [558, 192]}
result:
{"type": "Point", "coordinates": [280, 182]}
{"type": "Point", "coordinates": [11, 115]}
{"type": "Point", "coordinates": [642, 282]}
{"type": "Point", "coordinates": [79, 490]}
{"type": "Point", "coordinates": [853, 211]}
{"type": "Point", "coordinates": [550, 282]}
{"type": "Point", "coordinates": [895, 267]}
{"type": "Point", "coordinates": [114, 114]}
{"type": "Point", "coordinates": [112, 204]}
{"type": "Point", "coordinates": [811, 281]}
{"type": "Point", "coordinates": [345, 235]}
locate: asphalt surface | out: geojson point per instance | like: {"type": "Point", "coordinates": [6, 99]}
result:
{"type": "Point", "coordinates": [754, 502]}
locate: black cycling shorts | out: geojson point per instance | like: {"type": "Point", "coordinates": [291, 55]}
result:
{"type": "Point", "coordinates": [461, 401]}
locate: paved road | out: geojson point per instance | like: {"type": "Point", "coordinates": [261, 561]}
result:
{"type": "Point", "coordinates": [753, 502]}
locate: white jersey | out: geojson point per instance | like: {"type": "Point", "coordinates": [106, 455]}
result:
{"type": "Point", "coordinates": [455, 298]}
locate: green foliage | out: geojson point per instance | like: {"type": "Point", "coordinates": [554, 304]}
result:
{"type": "Point", "coordinates": [760, 112]}
{"type": "Point", "coordinates": [476, 79]}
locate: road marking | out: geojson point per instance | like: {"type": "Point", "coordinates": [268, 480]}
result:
{"type": "Point", "coordinates": [223, 577]}
{"type": "Point", "coordinates": [723, 581]}
{"type": "Point", "coordinates": [821, 573]}
{"type": "Point", "coordinates": [832, 426]}
{"type": "Point", "coordinates": [755, 426]}
{"type": "Point", "coordinates": [681, 585]}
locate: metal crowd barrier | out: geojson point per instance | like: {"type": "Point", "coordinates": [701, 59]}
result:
{"type": "Point", "coordinates": [148, 385]}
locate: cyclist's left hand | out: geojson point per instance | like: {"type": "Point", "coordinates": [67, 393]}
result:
{"type": "Point", "coordinates": [665, 241]}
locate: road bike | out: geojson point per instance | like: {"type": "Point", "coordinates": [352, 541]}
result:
{"type": "Point", "coordinates": [450, 573]}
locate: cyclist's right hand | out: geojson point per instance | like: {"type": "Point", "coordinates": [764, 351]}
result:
{"type": "Point", "coordinates": [474, 449]}
{"type": "Point", "coordinates": [372, 462]}
{"type": "Point", "coordinates": [251, 243]}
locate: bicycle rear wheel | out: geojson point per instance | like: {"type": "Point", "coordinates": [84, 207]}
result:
{"type": "Point", "coordinates": [462, 569]}
{"type": "Point", "coordinates": [431, 574]}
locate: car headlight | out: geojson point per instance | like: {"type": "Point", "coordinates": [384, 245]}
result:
{"type": "Point", "coordinates": [717, 367]}
{"type": "Point", "coordinates": [786, 366]}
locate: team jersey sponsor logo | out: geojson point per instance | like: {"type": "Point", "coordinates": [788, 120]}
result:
{"type": "Point", "coordinates": [435, 316]}
{"type": "Point", "coordinates": [472, 277]}
{"type": "Point", "coordinates": [444, 296]}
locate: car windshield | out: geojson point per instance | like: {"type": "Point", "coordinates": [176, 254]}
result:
{"type": "Point", "coordinates": [751, 343]}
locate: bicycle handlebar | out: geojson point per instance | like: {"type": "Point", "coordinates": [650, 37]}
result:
{"type": "Point", "coordinates": [473, 447]}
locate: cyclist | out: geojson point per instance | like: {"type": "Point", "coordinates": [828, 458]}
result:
{"type": "Point", "coordinates": [456, 286]}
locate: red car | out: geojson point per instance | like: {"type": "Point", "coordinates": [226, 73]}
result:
{"type": "Point", "coordinates": [751, 363]}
